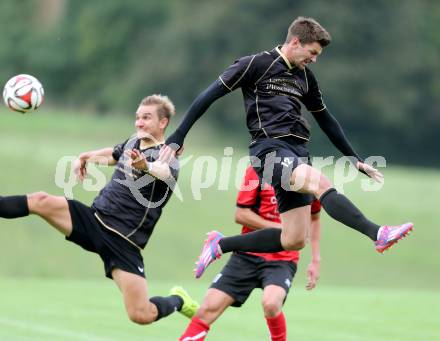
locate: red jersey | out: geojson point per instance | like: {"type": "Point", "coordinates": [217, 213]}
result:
{"type": "Point", "coordinates": [263, 202]}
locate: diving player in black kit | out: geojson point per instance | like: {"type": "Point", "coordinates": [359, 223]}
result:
{"type": "Point", "coordinates": [122, 217]}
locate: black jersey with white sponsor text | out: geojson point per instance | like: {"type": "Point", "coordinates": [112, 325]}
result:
{"type": "Point", "coordinates": [132, 202]}
{"type": "Point", "coordinates": [273, 90]}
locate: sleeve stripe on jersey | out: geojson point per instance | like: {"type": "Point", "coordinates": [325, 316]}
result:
{"type": "Point", "coordinates": [245, 71]}
{"type": "Point", "coordinates": [227, 87]}
{"type": "Point", "coordinates": [270, 66]}
{"type": "Point", "coordinates": [319, 109]}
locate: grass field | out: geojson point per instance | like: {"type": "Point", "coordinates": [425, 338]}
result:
{"type": "Point", "coordinates": [52, 290]}
{"type": "Point", "coordinates": [91, 311]}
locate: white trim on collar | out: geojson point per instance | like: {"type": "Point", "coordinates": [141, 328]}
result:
{"type": "Point", "coordinates": [277, 48]}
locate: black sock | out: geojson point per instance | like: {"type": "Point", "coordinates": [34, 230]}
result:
{"type": "Point", "coordinates": [15, 206]}
{"type": "Point", "coordinates": [166, 305]}
{"type": "Point", "coordinates": [264, 240]}
{"type": "Point", "coordinates": [340, 208]}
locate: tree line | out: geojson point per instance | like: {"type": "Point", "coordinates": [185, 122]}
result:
{"type": "Point", "coordinates": [379, 76]}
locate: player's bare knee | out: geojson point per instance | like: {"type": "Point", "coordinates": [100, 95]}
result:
{"type": "Point", "coordinates": [38, 201]}
{"type": "Point", "coordinates": [324, 185]}
{"type": "Point", "coordinates": [271, 307]}
{"type": "Point", "coordinates": [300, 244]}
{"type": "Point", "coordinates": [204, 309]}
{"type": "Point", "coordinates": [293, 243]}
{"type": "Point", "coordinates": [207, 309]}
{"type": "Point", "coordinates": [140, 316]}
{"type": "Point", "coordinates": [38, 197]}
{"type": "Point", "coordinates": [295, 246]}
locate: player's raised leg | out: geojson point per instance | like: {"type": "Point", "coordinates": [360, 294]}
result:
{"type": "Point", "coordinates": [53, 209]}
{"type": "Point", "coordinates": [139, 308]}
{"type": "Point", "coordinates": [264, 240]}
{"type": "Point", "coordinates": [310, 180]}
{"type": "Point", "coordinates": [291, 236]}
{"type": "Point", "coordinates": [304, 179]}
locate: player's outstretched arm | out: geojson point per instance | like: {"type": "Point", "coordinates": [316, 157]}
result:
{"type": "Point", "coordinates": [331, 127]}
{"type": "Point", "coordinates": [313, 268]}
{"type": "Point", "coordinates": [101, 156]}
{"type": "Point", "coordinates": [195, 111]}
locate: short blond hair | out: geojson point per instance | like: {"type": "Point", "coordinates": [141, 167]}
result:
{"type": "Point", "coordinates": [308, 31]}
{"type": "Point", "coordinates": [165, 108]}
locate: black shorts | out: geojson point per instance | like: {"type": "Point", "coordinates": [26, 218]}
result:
{"type": "Point", "coordinates": [114, 250]}
{"type": "Point", "coordinates": [243, 273]}
{"type": "Point", "coordinates": [274, 161]}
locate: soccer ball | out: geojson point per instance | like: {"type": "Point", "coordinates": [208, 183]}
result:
{"type": "Point", "coordinates": [23, 93]}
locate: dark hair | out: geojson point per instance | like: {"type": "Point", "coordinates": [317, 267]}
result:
{"type": "Point", "coordinates": [308, 31]}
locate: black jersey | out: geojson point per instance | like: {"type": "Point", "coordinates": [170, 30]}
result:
{"type": "Point", "coordinates": [273, 90]}
{"type": "Point", "coordinates": [132, 202]}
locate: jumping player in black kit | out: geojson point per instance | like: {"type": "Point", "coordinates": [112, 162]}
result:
{"type": "Point", "coordinates": [122, 217]}
{"type": "Point", "coordinates": [274, 84]}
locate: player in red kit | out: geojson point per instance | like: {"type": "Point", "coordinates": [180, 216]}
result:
{"type": "Point", "coordinates": [273, 272]}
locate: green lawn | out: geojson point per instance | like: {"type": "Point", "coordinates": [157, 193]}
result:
{"type": "Point", "coordinates": [91, 310]}
{"type": "Point", "coordinates": [53, 290]}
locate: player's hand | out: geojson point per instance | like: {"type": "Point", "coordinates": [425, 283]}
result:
{"type": "Point", "coordinates": [370, 171]}
{"type": "Point", "coordinates": [312, 275]}
{"type": "Point", "coordinates": [168, 154]}
{"type": "Point", "coordinates": [80, 169]}
{"type": "Point", "coordinates": [137, 159]}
